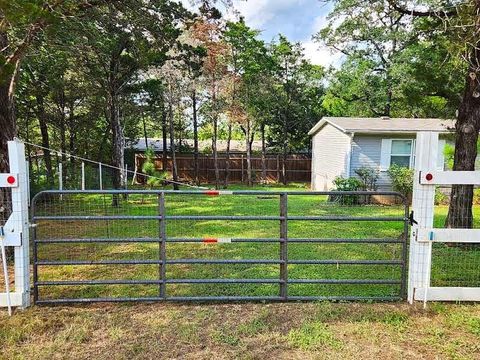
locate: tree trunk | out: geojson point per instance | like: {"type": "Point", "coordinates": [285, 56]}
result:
{"type": "Point", "coordinates": [195, 139]}
{"type": "Point", "coordinates": [42, 121]}
{"type": "Point", "coordinates": [249, 153]}
{"type": "Point", "coordinates": [285, 150]}
{"type": "Point", "coordinates": [118, 144]}
{"type": "Point", "coordinates": [145, 130]}
{"type": "Point", "coordinates": [172, 146]}
{"type": "Point", "coordinates": [215, 152]}
{"type": "Point", "coordinates": [227, 160]}
{"type": "Point", "coordinates": [264, 154]}
{"type": "Point", "coordinates": [164, 138]}
{"type": "Point", "coordinates": [467, 127]}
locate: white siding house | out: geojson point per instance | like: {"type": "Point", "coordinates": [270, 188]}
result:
{"type": "Point", "coordinates": [342, 145]}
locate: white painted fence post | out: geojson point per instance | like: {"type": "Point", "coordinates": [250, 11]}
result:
{"type": "Point", "coordinates": [100, 180]}
{"type": "Point", "coordinates": [422, 206]}
{"type": "Point", "coordinates": [83, 175]}
{"type": "Point", "coordinates": [17, 227]}
{"type": "Point", "coordinates": [60, 176]}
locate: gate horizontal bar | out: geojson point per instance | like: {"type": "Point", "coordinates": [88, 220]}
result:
{"type": "Point", "coordinates": [97, 217]}
{"type": "Point", "coordinates": [97, 282]}
{"type": "Point", "coordinates": [223, 261]}
{"type": "Point", "coordinates": [233, 240]}
{"type": "Point", "coordinates": [207, 217]}
{"type": "Point", "coordinates": [345, 298]}
{"type": "Point", "coordinates": [219, 261]}
{"type": "Point", "coordinates": [221, 299]}
{"type": "Point", "coordinates": [154, 262]}
{"type": "Point", "coordinates": [96, 300]}
{"type": "Point", "coordinates": [346, 281]}
{"type": "Point", "coordinates": [346, 262]}
{"type": "Point", "coordinates": [218, 281]}
{"type": "Point", "coordinates": [345, 218]}
{"type": "Point", "coordinates": [97, 262]}
{"type": "Point", "coordinates": [224, 281]}
{"type": "Point", "coordinates": [346, 241]}
{"type": "Point", "coordinates": [234, 192]}
{"type": "Point", "coordinates": [97, 240]}
{"type": "Point", "coordinates": [219, 217]}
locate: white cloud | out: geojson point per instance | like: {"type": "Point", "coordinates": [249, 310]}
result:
{"type": "Point", "coordinates": [321, 55]}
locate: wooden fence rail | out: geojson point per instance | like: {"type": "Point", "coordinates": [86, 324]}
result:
{"type": "Point", "coordinates": [298, 168]}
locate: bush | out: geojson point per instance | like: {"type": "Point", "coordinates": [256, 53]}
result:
{"type": "Point", "coordinates": [154, 178]}
{"type": "Point", "coordinates": [369, 177]}
{"type": "Point", "coordinates": [402, 179]}
{"type": "Point", "coordinates": [346, 184]}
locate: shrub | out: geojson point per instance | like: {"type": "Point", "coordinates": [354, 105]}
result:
{"type": "Point", "coordinates": [369, 177]}
{"type": "Point", "coordinates": [402, 179]}
{"type": "Point", "coordinates": [346, 184]}
{"type": "Point", "coordinates": [154, 178]}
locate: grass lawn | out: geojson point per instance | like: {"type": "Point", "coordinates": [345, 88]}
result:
{"type": "Point", "coordinates": [243, 331]}
{"type": "Point", "coordinates": [315, 330]}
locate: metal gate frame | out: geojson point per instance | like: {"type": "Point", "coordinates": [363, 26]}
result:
{"type": "Point", "coordinates": [283, 261]}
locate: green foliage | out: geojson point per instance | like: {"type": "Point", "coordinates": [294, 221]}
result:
{"type": "Point", "coordinates": [369, 177]}
{"type": "Point", "coordinates": [154, 177]}
{"type": "Point", "coordinates": [440, 197]}
{"type": "Point", "coordinates": [313, 335]}
{"type": "Point", "coordinates": [402, 179]}
{"type": "Point", "coordinates": [346, 184]}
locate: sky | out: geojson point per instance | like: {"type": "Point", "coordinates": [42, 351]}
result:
{"type": "Point", "coordinates": [298, 20]}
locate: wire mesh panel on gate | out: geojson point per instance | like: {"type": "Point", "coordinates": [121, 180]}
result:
{"type": "Point", "coordinates": [241, 245]}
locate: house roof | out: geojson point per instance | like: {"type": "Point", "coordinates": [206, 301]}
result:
{"type": "Point", "coordinates": [385, 125]}
{"type": "Point", "coordinates": [157, 145]}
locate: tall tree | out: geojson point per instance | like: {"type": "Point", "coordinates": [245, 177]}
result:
{"type": "Point", "coordinates": [461, 21]}
{"type": "Point", "coordinates": [208, 30]}
{"type": "Point", "coordinates": [373, 34]}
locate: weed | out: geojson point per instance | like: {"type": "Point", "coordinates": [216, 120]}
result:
{"type": "Point", "coordinates": [313, 335]}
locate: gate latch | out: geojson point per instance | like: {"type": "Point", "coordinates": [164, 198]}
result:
{"type": "Point", "coordinates": [411, 220]}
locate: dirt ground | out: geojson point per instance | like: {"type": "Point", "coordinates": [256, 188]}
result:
{"type": "Point", "coordinates": [243, 331]}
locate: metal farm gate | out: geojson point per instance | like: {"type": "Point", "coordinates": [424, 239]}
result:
{"type": "Point", "coordinates": [218, 246]}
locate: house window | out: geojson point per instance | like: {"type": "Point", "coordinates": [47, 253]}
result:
{"type": "Point", "coordinates": [401, 153]}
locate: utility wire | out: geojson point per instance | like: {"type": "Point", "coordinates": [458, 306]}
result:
{"type": "Point", "coordinates": [53, 151]}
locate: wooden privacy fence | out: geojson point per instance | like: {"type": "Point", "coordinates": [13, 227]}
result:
{"type": "Point", "coordinates": [298, 168]}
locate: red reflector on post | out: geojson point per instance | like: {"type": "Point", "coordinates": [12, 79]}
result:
{"type": "Point", "coordinates": [429, 177]}
{"type": "Point", "coordinates": [210, 240]}
{"type": "Point", "coordinates": [11, 180]}
{"type": "Point", "coordinates": [212, 193]}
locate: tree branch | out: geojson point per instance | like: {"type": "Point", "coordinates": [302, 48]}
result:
{"type": "Point", "coordinates": [419, 13]}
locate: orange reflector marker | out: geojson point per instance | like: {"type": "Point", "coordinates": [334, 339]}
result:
{"type": "Point", "coordinates": [212, 193]}
{"type": "Point", "coordinates": [215, 240]}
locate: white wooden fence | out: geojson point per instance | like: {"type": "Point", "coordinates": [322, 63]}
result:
{"type": "Point", "coordinates": [15, 232]}
{"type": "Point", "coordinates": [423, 234]}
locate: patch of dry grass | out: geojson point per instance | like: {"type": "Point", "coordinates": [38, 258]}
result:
{"type": "Point", "coordinates": [243, 331]}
